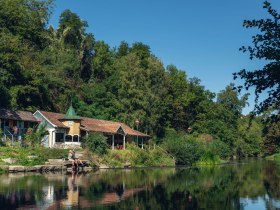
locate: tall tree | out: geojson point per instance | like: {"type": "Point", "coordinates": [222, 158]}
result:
{"type": "Point", "coordinates": [266, 45]}
{"type": "Point", "coordinates": [229, 98]}
{"type": "Point", "coordinates": [72, 32]}
{"type": "Point", "coordinates": [101, 61]}
{"type": "Point", "coordinates": [178, 98]}
{"type": "Point", "coordinates": [26, 19]}
{"type": "Point", "coordinates": [22, 37]}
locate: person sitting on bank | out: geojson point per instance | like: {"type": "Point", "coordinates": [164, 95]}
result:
{"type": "Point", "coordinates": [73, 159]}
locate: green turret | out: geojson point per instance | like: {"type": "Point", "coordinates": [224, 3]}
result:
{"type": "Point", "coordinates": [71, 114]}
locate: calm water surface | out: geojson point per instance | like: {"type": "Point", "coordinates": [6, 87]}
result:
{"type": "Point", "coordinates": [251, 185]}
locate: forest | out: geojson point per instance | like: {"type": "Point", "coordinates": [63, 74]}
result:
{"type": "Point", "coordinates": [47, 68]}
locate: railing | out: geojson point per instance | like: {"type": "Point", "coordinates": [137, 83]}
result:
{"type": "Point", "coordinates": [13, 137]}
{"type": "Point", "coordinates": [166, 152]}
{"type": "Point", "coordinates": [7, 133]}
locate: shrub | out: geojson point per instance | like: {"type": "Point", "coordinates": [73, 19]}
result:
{"type": "Point", "coordinates": [220, 148]}
{"type": "Point", "coordinates": [208, 158]}
{"type": "Point", "coordinates": [137, 157]}
{"type": "Point", "coordinates": [96, 142]}
{"type": "Point", "coordinates": [35, 135]}
{"type": "Point", "coordinates": [184, 148]}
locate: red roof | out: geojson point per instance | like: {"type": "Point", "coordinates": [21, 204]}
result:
{"type": "Point", "coordinates": [93, 125]}
{"type": "Point", "coordinates": [17, 115]}
{"type": "Point", "coordinates": [54, 118]}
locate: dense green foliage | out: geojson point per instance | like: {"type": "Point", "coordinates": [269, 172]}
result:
{"type": "Point", "coordinates": [42, 67]}
{"type": "Point", "coordinates": [188, 150]}
{"type": "Point", "coordinates": [34, 136]}
{"type": "Point", "coordinates": [134, 156]}
{"type": "Point", "coordinates": [96, 142]}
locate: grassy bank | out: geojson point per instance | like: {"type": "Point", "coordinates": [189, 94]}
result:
{"type": "Point", "coordinates": [210, 162]}
{"type": "Point", "coordinates": [275, 157]}
{"type": "Point", "coordinates": [136, 157]}
{"type": "Point", "coordinates": [30, 156]}
{"type": "Point", "coordinates": [132, 156]}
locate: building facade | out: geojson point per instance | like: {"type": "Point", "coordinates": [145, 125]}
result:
{"type": "Point", "coordinates": [69, 130]}
{"type": "Point", "coordinates": [15, 124]}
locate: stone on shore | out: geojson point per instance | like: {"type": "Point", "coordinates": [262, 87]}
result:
{"type": "Point", "coordinates": [10, 160]}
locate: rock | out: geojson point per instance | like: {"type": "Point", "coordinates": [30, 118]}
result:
{"type": "Point", "coordinates": [10, 160]}
{"type": "Point", "coordinates": [30, 168]}
{"type": "Point", "coordinates": [32, 156]}
{"type": "Point", "coordinates": [79, 154]}
{"type": "Point", "coordinates": [16, 168]}
{"type": "Point", "coordinates": [86, 169]}
{"type": "Point", "coordinates": [38, 167]}
{"type": "Point", "coordinates": [56, 161]}
{"type": "Point", "coordinates": [103, 166]}
{"type": "Point", "coordinates": [127, 165]}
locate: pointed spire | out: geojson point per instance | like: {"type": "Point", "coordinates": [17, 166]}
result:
{"type": "Point", "coordinates": [71, 114]}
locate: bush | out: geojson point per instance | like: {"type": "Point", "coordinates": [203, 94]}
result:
{"type": "Point", "coordinates": [1, 138]}
{"type": "Point", "coordinates": [184, 148]}
{"type": "Point", "coordinates": [96, 142]}
{"type": "Point", "coordinates": [188, 150]}
{"type": "Point", "coordinates": [35, 135]}
{"type": "Point", "coordinates": [220, 148]}
{"type": "Point", "coordinates": [137, 157]}
{"type": "Point", "coordinates": [208, 158]}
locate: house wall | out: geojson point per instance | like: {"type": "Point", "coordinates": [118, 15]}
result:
{"type": "Point", "coordinates": [74, 127]}
{"type": "Point", "coordinates": [49, 139]}
{"type": "Point", "coordinates": [43, 121]}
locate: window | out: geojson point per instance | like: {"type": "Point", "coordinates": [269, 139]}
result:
{"type": "Point", "coordinates": [68, 138]}
{"type": "Point", "coordinates": [76, 138]}
{"type": "Point", "coordinates": [26, 124]}
{"type": "Point", "coordinates": [59, 137]}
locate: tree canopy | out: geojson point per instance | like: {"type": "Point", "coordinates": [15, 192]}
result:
{"type": "Point", "coordinates": [265, 46]}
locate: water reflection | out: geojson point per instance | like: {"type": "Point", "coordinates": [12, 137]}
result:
{"type": "Point", "coordinates": [249, 185]}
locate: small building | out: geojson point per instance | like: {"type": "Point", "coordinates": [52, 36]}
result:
{"type": "Point", "coordinates": [70, 130]}
{"type": "Point", "coordinates": [14, 124]}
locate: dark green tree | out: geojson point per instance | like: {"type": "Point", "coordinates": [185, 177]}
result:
{"type": "Point", "coordinates": [265, 47]}
{"type": "Point", "coordinates": [22, 37]}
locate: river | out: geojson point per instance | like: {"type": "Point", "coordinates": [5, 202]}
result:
{"type": "Point", "coordinates": [248, 185]}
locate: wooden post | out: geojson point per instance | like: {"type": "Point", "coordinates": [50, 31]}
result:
{"type": "Point", "coordinates": [124, 142]}
{"type": "Point", "coordinates": [113, 142]}
{"type": "Point", "coordinates": [142, 143]}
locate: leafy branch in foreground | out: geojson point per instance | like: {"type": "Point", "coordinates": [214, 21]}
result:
{"type": "Point", "coordinates": [266, 46]}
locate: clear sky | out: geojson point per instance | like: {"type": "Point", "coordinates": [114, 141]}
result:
{"type": "Point", "coordinates": [201, 37]}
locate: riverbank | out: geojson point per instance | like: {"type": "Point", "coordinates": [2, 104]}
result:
{"type": "Point", "coordinates": [40, 159]}
{"type": "Point", "coordinates": [275, 157]}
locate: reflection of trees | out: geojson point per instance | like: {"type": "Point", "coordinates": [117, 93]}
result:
{"type": "Point", "coordinates": [272, 179]}
{"type": "Point", "coordinates": [211, 188]}
{"type": "Point", "coordinates": [250, 178]}
{"type": "Point", "coordinates": [119, 181]}
{"type": "Point", "coordinates": [219, 187]}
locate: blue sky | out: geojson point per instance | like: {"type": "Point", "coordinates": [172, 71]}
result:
{"type": "Point", "coordinates": [201, 37]}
